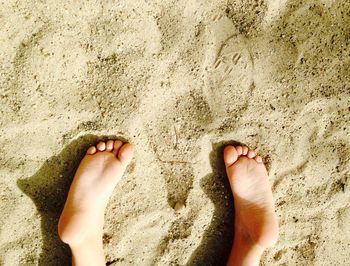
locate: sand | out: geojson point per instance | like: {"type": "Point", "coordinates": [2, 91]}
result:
{"type": "Point", "coordinates": [178, 79]}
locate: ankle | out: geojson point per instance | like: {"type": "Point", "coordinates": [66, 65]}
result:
{"type": "Point", "coordinates": [91, 238]}
{"type": "Point", "coordinates": [244, 251]}
{"type": "Point", "coordinates": [78, 230]}
{"type": "Point", "coordinates": [88, 252]}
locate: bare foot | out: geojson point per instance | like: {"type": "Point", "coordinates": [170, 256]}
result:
{"type": "Point", "coordinates": [99, 171]}
{"type": "Point", "coordinates": [256, 225]}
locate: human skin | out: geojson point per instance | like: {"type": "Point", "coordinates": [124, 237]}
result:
{"type": "Point", "coordinates": [82, 219]}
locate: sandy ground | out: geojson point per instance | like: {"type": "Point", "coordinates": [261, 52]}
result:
{"type": "Point", "coordinates": [178, 79]}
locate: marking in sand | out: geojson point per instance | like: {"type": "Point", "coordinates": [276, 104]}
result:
{"type": "Point", "coordinates": [233, 56]}
{"type": "Point", "coordinates": [217, 17]}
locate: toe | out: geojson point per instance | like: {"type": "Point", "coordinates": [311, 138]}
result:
{"type": "Point", "coordinates": [109, 145]}
{"type": "Point", "coordinates": [239, 150]}
{"type": "Point", "coordinates": [230, 155]}
{"type": "Point", "coordinates": [125, 153]}
{"type": "Point", "coordinates": [117, 146]}
{"type": "Point", "coordinates": [92, 150]}
{"type": "Point", "coordinates": [258, 159]}
{"type": "Point", "coordinates": [101, 146]}
{"type": "Point", "coordinates": [251, 154]}
{"type": "Point", "coordinates": [245, 150]}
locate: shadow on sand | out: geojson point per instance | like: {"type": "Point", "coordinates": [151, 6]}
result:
{"type": "Point", "coordinates": [48, 189]}
{"type": "Point", "coordinates": [217, 240]}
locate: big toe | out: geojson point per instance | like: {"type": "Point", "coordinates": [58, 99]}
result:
{"type": "Point", "coordinates": [230, 155]}
{"type": "Point", "coordinates": [125, 153]}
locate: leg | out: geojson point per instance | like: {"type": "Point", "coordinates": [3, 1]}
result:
{"type": "Point", "coordinates": [256, 225]}
{"type": "Point", "coordinates": [82, 218]}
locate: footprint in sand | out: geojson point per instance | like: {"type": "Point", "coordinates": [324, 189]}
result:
{"type": "Point", "coordinates": [229, 67]}
{"type": "Point", "coordinates": [121, 66]}
{"type": "Point", "coordinates": [44, 52]}
{"type": "Point", "coordinates": [233, 62]}
{"type": "Point", "coordinates": [173, 132]}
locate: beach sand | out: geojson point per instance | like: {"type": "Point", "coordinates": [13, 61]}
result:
{"type": "Point", "coordinates": [179, 80]}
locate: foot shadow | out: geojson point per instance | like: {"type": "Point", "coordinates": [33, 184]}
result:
{"type": "Point", "coordinates": [218, 238]}
{"type": "Point", "coordinates": [48, 189]}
